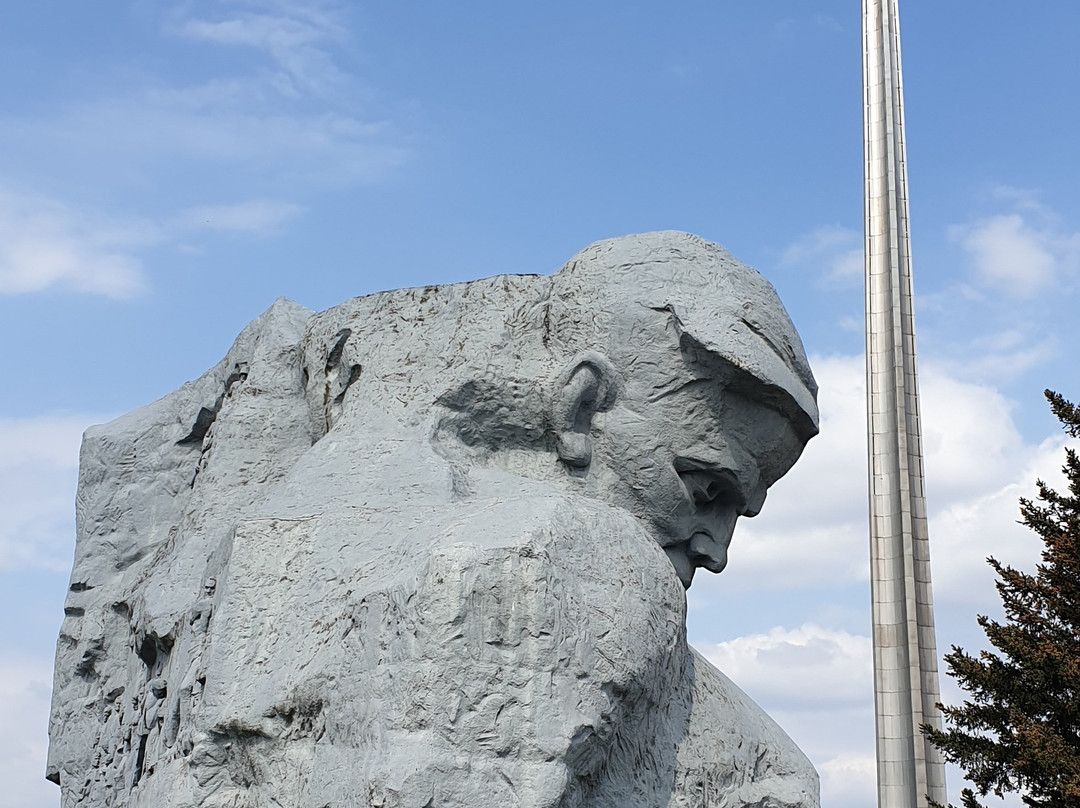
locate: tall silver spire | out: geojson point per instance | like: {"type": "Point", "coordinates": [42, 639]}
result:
{"type": "Point", "coordinates": [905, 651]}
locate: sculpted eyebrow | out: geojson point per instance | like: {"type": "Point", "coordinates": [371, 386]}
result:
{"type": "Point", "coordinates": [700, 462]}
{"type": "Point", "coordinates": [679, 386]}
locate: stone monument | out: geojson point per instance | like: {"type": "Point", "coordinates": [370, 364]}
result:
{"type": "Point", "coordinates": [429, 548]}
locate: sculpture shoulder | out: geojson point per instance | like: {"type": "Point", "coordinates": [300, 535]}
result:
{"type": "Point", "coordinates": [734, 753]}
{"type": "Point", "coordinates": [592, 547]}
{"type": "Point", "coordinates": [532, 510]}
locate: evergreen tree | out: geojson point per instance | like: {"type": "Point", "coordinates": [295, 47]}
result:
{"type": "Point", "coordinates": [1020, 729]}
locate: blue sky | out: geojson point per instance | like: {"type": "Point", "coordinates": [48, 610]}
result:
{"type": "Point", "coordinates": [167, 169]}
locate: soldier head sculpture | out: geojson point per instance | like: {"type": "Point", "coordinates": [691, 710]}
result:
{"type": "Point", "coordinates": [669, 382]}
{"type": "Point", "coordinates": [407, 551]}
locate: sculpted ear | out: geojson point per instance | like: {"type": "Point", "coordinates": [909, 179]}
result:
{"type": "Point", "coordinates": [588, 385]}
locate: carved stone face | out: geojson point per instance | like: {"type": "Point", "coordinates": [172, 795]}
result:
{"type": "Point", "coordinates": [688, 459]}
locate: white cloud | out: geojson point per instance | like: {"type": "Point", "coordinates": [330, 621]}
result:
{"type": "Point", "coordinates": [818, 685]}
{"type": "Point", "coordinates": [286, 116]}
{"type": "Point", "coordinates": [965, 532]}
{"type": "Point", "coordinates": [1012, 309]}
{"type": "Point", "coordinates": [1020, 198]}
{"type": "Point", "coordinates": [828, 22]}
{"type": "Point", "coordinates": [47, 245]}
{"type": "Point", "coordinates": [39, 459]}
{"type": "Point", "coordinates": [256, 217]}
{"type": "Point", "coordinates": [1009, 253]}
{"type": "Point", "coordinates": [283, 113]}
{"type": "Point", "coordinates": [1022, 252]}
{"type": "Point", "coordinates": [296, 118]}
{"type": "Point", "coordinates": [832, 668]}
{"type": "Point", "coordinates": [25, 686]}
{"type": "Point", "coordinates": [221, 127]}
{"type": "Point", "coordinates": [849, 780]}
{"type": "Point", "coordinates": [833, 253]}
{"type": "Point", "coordinates": [1006, 354]}
{"type": "Point", "coordinates": [970, 442]}
{"type": "Point", "coordinates": [294, 35]}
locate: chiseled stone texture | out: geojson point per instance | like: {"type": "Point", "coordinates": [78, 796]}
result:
{"type": "Point", "coordinates": [429, 548]}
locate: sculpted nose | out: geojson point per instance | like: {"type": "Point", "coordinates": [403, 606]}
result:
{"type": "Point", "coordinates": [718, 498]}
{"type": "Point", "coordinates": [707, 551]}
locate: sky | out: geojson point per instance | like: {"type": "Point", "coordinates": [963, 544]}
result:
{"type": "Point", "coordinates": [168, 169]}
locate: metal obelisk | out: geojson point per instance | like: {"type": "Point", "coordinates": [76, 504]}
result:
{"type": "Point", "coordinates": [909, 769]}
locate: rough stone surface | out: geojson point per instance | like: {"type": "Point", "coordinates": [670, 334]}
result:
{"type": "Point", "coordinates": [429, 548]}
